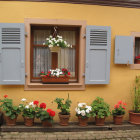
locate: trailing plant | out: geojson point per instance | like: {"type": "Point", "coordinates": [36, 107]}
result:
{"type": "Point", "coordinates": [7, 106]}
{"type": "Point", "coordinates": [100, 109]}
{"type": "Point", "coordinates": [64, 106]}
{"type": "Point", "coordinates": [83, 110]}
{"type": "Point", "coordinates": [56, 41]}
{"type": "Point", "coordinates": [136, 95]}
{"type": "Point", "coordinates": [119, 109]}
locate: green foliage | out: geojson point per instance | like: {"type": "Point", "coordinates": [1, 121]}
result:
{"type": "Point", "coordinates": [100, 108]}
{"type": "Point", "coordinates": [27, 112]}
{"type": "Point", "coordinates": [9, 109]}
{"type": "Point", "coordinates": [136, 97]}
{"type": "Point", "coordinates": [64, 107]}
{"type": "Point", "coordinates": [43, 115]}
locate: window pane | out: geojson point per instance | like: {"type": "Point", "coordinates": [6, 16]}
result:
{"type": "Point", "coordinates": [40, 36]}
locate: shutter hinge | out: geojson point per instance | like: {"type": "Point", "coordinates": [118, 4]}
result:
{"type": "Point", "coordinates": [83, 74]}
{"type": "Point", "coordinates": [84, 35]}
{"type": "Point", "coordinates": [26, 35]}
{"type": "Point", "coordinates": [26, 74]}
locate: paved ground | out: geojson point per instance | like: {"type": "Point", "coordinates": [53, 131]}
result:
{"type": "Point", "coordinates": [85, 135]}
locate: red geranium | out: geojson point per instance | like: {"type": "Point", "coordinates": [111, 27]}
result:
{"type": "Point", "coordinates": [49, 72]}
{"type": "Point", "coordinates": [49, 110]}
{"type": "Point", "coordinates": [36, 102]}
{"type": "Point", "coordinates": [5, 96]}
{"type": "Point", "coordinates": [52, 113]}
{"type": "Point", "coordinates": [43, 105]}
{"type": "Point", "coordinates": [68, 73]}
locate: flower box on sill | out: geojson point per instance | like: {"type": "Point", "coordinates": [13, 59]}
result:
{"type": "Point", "coordinates": [55, 80]}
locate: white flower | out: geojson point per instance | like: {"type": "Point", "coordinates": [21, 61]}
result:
{"type": "Point", "coordinates": [80, 105]}
{"type": "Point", "coordinates": [87, 111]}
{"type": "Point", "coordinates": [23, 99]}
{"type": "Point", "coordinates": [78, 112]}
{"type": "Point", "coordinates": [27, 106]}
{"type": "Point", "coordinates": [83, 113]}
{"type": "Point", "coordinates": [19, 106]}
{"type": "Point", "coordinates": [43, 43]}
{"type": "Point", "coordinates": [31, 103]}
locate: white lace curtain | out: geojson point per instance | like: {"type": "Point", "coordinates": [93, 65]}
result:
{"type": "Point", "coordinates": [42, 55]}
{"type": "Point", "coordinates": [137, 47]}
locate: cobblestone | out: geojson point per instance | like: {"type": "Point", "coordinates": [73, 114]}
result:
{"type": "Point", "coordinates": [85, 135]}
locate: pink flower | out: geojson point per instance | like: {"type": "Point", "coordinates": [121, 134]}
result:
{"type": "Point", "coordinates": [120, 102]}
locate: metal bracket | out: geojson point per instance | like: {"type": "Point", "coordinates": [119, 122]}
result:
{"type": "Point", "coordinates": [84, 36]}
{"type": "Point", "coordinates": [26, 35]}
{"type": "Point", "coordinates": [26, 74]}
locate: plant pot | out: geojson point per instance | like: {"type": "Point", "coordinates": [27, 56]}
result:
{"type": "Point", "coordinates": [9, 121]}
{"type": "Point", "coordinates": [82, 122]}
{"type": "Point", "coordinates": [46, 123]}
{"type": "Point", "coordinates": [134, 118]}
{"type": "Point", "coordinates": [55, 49]}
{"type": "Point", "coordinates": [137, 61]}
{"type": "Point", "coordinates": [99, 121]}
{"type": "Point", "coordinates": [55, 80]}
{"type": "Point", "coordinates": [28, 121]}
{"type": "Point", "coordinates": [118, 119]}
{"type": "Point", "coordinates": [64, 119]}
{"type": "Point", "coordinates": [1, 118]}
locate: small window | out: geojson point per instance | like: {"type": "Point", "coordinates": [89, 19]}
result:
{"type": "Point", "coordinates": [137, 50]}
{"type": "Point", "coordinates": [44, 59]}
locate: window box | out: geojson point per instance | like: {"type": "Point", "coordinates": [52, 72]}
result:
{"type": "Point", "coordinates": [55, 80]}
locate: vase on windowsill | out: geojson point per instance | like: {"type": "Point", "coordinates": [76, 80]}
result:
{"type": "Point", "coordinates": [54, 79]}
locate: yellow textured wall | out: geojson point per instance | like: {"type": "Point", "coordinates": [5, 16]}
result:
{"type": "Point", "coordinates": [122, 22]}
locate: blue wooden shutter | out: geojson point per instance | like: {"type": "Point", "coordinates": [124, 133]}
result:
{"type": "Point", "coordinates": [12, 54]}
{"type": "Point", "coordinates": [124, 51]}
{"type": "Point", "coordinates": [98, 44]}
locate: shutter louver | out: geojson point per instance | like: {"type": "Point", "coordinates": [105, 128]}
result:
{"type": "Point", "coordinates": [10, 35]}
{"type": "Point", "coordinates": [12, 54]}
{"type": "Point", "coordinates": [98, 44]}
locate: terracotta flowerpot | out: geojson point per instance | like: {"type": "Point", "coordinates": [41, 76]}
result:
{"type": "Point", "coordinates": [137, 61]}
{"type": "Point", "coordinates": [118, 119]}
{"type": "Point", "coordinates": [64, 119]}
{"type": "Point", "coordinates": [28, 121]}
{"type": "Point", "coordinates": [55, 80]}
{"type": "Point", "coordinates": [46, 123]}
{"type": "Point", "coordinates": [83, 122]}
{"type": "Point", "coordinates": [99, 121]}
{"type": "Point", "coordinates": [9, 121]}
{"type": "Point", "coordinates": [134, 118]}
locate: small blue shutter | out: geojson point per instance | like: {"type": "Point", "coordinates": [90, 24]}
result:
{"type": "Point", "coordinates": [12, 54]}
{"type": "Point", "coordinates": [124, 51]}
{"type": "Point", "coordinates": [98, 44]}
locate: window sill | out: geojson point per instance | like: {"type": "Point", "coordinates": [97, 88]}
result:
{"type": "Point", "coordinates": [40, 86]}
{"type": "Point", "coordinates": [135, 66]}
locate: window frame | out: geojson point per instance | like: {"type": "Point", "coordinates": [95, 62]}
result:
{"type": "Point", "coordinates": [135, 35]}
{"type": "Point", "coordinates": [61, 28]}
{"type": "Point", "coordinates": [80, 85]}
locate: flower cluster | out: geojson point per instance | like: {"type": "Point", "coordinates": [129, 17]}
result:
{"type": "Point", "coordinates": [137, 57]}
{"type": "Point", "coordinates": [57, 72]}
{"type": "Point", "coordinates": [56, 41]}
{"type": "Point", "coordinates": [119, 108]}
{"type": "Point", "coordinates": [83, 110]}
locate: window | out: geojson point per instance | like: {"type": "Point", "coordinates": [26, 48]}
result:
{"type": "Point", "coordinates": [40, 58]}
{"type": "Point", "coordinates": [43, 59]}
{"type": "Point", "coordinates": [137, 50]}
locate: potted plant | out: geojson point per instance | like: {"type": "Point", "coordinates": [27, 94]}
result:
{"type": "Point", "coordinates": [118, 112]}
{"type": "Point", "coordinates": [100, 110]}
{"type": "Point", "coordinates": [64, 115]}
{"type": "Point", "coordinates": [56, 42]}
{"type": "Point", "coordinates": [28, 112]}
{"type": "Point", "coordinates": [11, 111]}
{"type": "Point", "coordinates": [55, 76]}
{"type": "Point", "coordinates": [137, 59]}
{"type": "Point", "coordinates": [83, 113]}
{"type": "Point", "coordinates": [46, 116]}
{"type": "Point", "coordinates": [134, 115]}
